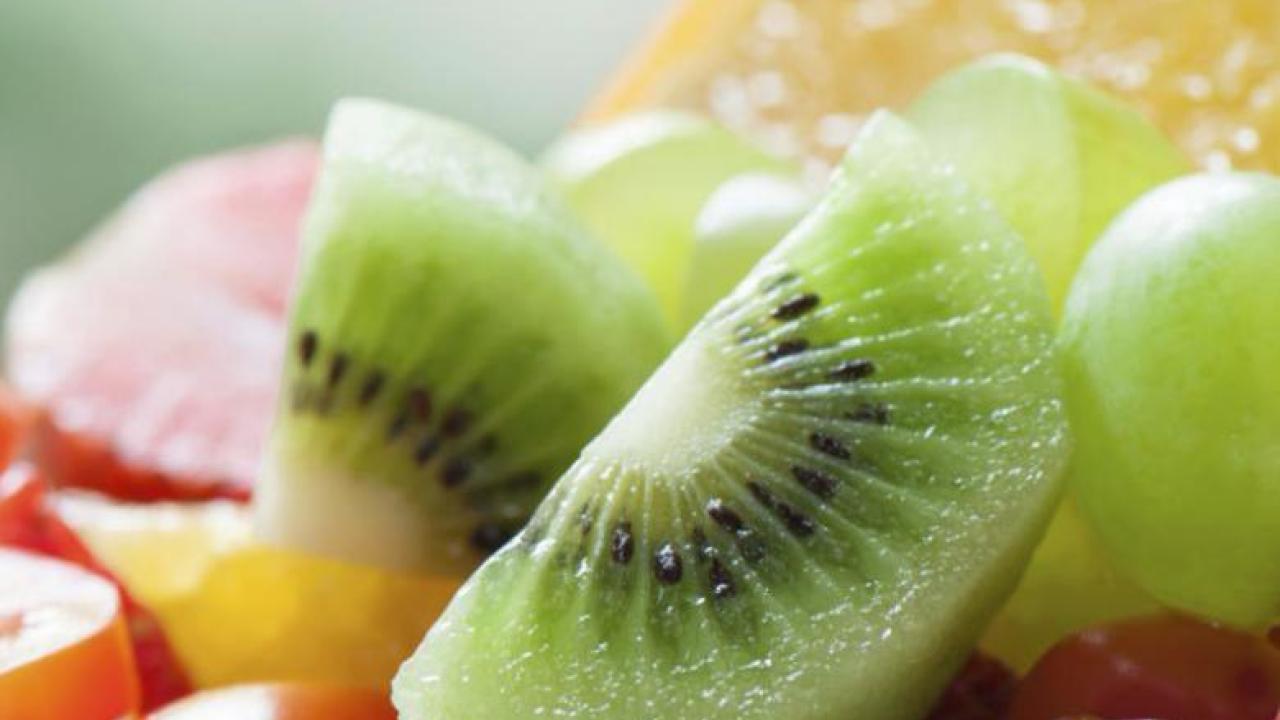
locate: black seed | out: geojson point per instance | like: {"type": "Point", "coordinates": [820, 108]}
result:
{"type": "Point", "coordinates": [786, 348]}
{"type": "Point", "coordinates": [372, 386]}
{"type": "Point", "coordinates": [337, 369]}
{"type": "Point", "coordinates": [700, 544]}
{"type": "Point", "coordinates": [487, 445]}
{"type": "Point", "coordinates": [456, 472]}
{"type": "Point", "coordinates": [667, 565]}
{"type": "Point", "coordinates": [420, 405]}
{"type": "Point", "coordinates": [623, 545]}
{"type": "Point", "coordinates": [853, 370]}
{"type": "Point", "coordinates": [829, 445]}
{"type": "Point", "coordinates": [818, 483]}
{"type": "Point", "coordinates": [724, 517]}
{"type": "Point", "coordinates": [489, 537]}
{"type": "Point", "coordinates": [751, 546]}
{"type": "Point", "coordinates": [456, 422]}
{"type": "Point", "coordinates": [797, 522]}
{"type": "Point", "coordinates": [795, 307]}
{"type": "Point", "coordinates": [721, 581]}
{"type": "Point", "coordinates": [877, 413]}
{"type": "Point", "coordinates": [307, 345]}
{"type": "Point", "coordinates": [398, 426]}
{"type": "Point", "coordinates": [426, 450]}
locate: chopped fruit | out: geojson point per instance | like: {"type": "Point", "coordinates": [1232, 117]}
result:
{"type": "Point", "coordinates": [64, 649]}
{"type": "Point", "coordinates": [800, 75]}
{"type": "Point", "coordinates": [982, 691]}
{"type": "Point", "coordinates": [156, 347]}
{"type": "Point", "coordinates": [1170, 346]}
{"type": "Point", "coordinates": [282, 702]}
{"type": "Point", "coordinates": [639, 183]}
{"type": "Point", "coordinates": [1166, 667]}
{"type": "Point", "coordinates": [15, 420]}
{"type": "Point", "coordinates": [813, 506]}
{"type": "Point", "coordinates": [238, 611]}
{"type": "Point", "coordinates": [456, 337]}
{"type": "Point", "coordinates": [27, 523]}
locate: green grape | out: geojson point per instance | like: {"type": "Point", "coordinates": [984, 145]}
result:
{"type": "Point", "coordinates": [1171, 346]}
{"type": "Point", "coordinates": [639, 183]}
{"type": "Point", "coordinates": [1057, 157]}
{"type": "Point", "coordinates": [741, 221]}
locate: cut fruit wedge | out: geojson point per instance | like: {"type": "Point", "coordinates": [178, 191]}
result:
{"type": "Point", "coordinates": [800, 75]}
{"type": "Point", "coordinates": [282, 702]}
{"type": "Point", "coordinates": [155, 347]}
{"type": "Point", "coordinates": [64, 650]}
{"type": "Point", "coordinates": [239, 611]}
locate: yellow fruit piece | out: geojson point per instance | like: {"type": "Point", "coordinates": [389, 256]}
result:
{"type": "Point", "coordinates": [799, 75]}
{"type": "Point", "coordinates": [238, 611]}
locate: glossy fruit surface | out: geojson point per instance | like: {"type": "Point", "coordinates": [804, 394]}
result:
{"type": "Point", "coordinates": [28, 523]}
{"type": "Point", "coordinates": [282, 702]}
{"type": "Point", "coordinates": [64, 649]}
{"type": "Point", "coordinates": [238, 611]}
{"type": "Point", "coordinates": [1166, 667]}
{"type": "Point", "coordinates": [1170, 346]}
{"type": "Point", "coordinates": [155, 346]}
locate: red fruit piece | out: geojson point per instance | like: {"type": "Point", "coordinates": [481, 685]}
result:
{"type": "Point", "coordinates": [1167, 667]}
{"type": "Point", "coordinates": [15, 420]}
{"type": "Point", "coordinates": [155, 348]}
{"type": "Point", "coordinates": [981, 691]}
{"type": "Point", "coordinates": [27, 523]}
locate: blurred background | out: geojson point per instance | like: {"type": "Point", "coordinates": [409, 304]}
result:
{"type": "Point", "coordinates": [97, 97]}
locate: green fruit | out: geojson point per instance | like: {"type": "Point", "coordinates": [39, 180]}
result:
{"type": "Point", "coordinates": [812, 508]}
{"type": "Point", "coordinates": [741, 221]}
{"type": "Point", "coordinates": [1058, 158]}
{"type": "Point", "coordinates": [639, 183]}
{"type": "Point", "coordinates": [1173, 359]}
{"type": "Point", "coordinates": [455, 339]}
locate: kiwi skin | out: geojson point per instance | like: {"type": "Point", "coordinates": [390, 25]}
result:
{"type": "Point", "coordinates": [455, 338]}
{"type": "Point", "coordinates": [813, 507]}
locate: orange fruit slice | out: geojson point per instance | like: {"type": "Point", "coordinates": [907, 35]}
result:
{"type": "Point", "coordinates": [799, 75]}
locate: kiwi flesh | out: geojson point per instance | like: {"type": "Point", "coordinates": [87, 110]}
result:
{"type": "Point", "coordinates": [816, 503]}
{"type": "Point", "coordinates": [455, 338]}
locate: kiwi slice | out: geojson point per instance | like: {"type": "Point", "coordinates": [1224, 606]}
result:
{"type": "Point", "coordinates": [813, 507]}
{"type": "Point", "coordinates": [455, 339]}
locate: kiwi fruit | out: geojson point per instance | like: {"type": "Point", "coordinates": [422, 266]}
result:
{"type": "Point", "coordinates": [814, 505]}
{"type": "Point", "coordinates": [454, 340]}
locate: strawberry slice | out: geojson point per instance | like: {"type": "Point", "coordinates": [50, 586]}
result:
{"type": "Point", "coordinates": [28, 523]}
{"type": "Point", "coordinates": [155, 347]}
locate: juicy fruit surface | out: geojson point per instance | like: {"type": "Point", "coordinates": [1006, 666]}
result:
{"type": "Point", "coordinates": [1171, 346]}
{"type": "Point", "coordinates": [29, 523]}
{"type": "Point", "coordinates": [639, 182]}
{"type": "Point", "coordinates": [455, 339]}
{"type": "Point", "coordinates": [1058, 158]}
{"type": "Point", "coordinates": [1165, 667]}
{"type": "Point", "coordinates": [239, 611]}
{"type": "Point", "coordinates": [838, 474]}
{"type": "Point", "coordinates": [800, 76]}
{"type": "Point", "coordinates": [64, 652]}
{"type": "Point", "coordinates": [155, 348]}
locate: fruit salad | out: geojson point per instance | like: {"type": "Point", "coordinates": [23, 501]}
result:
{"type": "Point", "coordinates": [885, 360]}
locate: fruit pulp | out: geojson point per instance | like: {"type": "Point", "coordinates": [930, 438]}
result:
{"type": "Point", "coordinates": [800, 75]}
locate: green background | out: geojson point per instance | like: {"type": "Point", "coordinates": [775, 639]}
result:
{"type": "Point", "coordinates": [99, 95]}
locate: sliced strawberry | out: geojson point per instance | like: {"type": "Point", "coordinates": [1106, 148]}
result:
{"type": "Point", "coordinates": [155, 348]}
{"type": "Point", "coordinates": [27, 523]}
{"type": "Point", "coordinates": [15, 422]}
{"type": "Point", "coordinates": [982, 690]}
